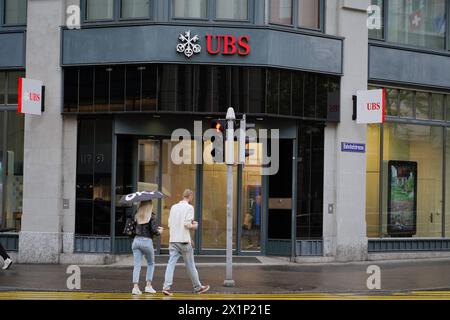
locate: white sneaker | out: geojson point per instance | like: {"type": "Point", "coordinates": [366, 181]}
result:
{"type": "Point", "coordinates": [149, 290]}
{"type": "Point", "coordinates": [136, 292]}
{"type": "Point", "coordinates": [6, 264]}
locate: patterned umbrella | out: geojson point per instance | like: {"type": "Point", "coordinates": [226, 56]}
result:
{"type": "Point", "coordinates": [141, 196]}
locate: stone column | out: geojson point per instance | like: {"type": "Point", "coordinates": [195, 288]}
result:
{"type": "Point", "coordinates": [41, 235]}
{"type": "Point", "coordinates": [345, 232]}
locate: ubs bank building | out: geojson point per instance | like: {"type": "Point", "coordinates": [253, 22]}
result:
{"type": "Point", "coordinates": [135, 71]}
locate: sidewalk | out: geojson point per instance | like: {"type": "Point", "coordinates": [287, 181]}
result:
{"type": "Point", "coordinates": [252, 276]}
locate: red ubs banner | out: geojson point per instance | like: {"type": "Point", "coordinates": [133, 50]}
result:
{"type": "Point", "coordinates": [228, 45]}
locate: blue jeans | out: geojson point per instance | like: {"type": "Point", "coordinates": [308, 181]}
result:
{"type": "Point", "coordinates": [176, 250]}
{"type": "Point", "coordinates": [143, 247]}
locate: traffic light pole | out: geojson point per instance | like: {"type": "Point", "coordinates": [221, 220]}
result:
{"type": "Point", "coordinates": [229, 155]}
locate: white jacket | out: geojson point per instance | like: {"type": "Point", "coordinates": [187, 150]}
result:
{"type": "Point", "coordinates": [180, 222]}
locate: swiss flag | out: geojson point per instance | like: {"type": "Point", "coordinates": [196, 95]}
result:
{"type": "Point", "coordinates": [415, 20]}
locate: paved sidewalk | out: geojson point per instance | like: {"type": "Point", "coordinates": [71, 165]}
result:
{"type": "Point", "coordinates": [263, 277]}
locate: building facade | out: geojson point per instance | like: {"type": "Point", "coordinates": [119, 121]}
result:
{"type": "Point", "coordinates": [118, 87]}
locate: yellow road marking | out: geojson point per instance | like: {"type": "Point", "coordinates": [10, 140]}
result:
{"type": "Point", "coordinates": [18, 295]}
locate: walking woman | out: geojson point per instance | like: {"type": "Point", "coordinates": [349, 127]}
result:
{"type": "Point", "coordinates": [146, 228]}
{"type": "Point", "coordinates": [6, 259]}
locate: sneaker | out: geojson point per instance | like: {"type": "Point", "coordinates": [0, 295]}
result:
{"type": "Point", "coordinates": [149, 290]}
{"type": "Point", "coordinates": [6, 264]}
{"type": "Point", "coordinates": [136, 292]}
{"type": "Point", "coordinates": [167, 292]}
{"type": "Point", "coordinates": [203, 289]}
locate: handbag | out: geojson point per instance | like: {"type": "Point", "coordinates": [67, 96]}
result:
{"type": "Point", "coordinates": [130, 227]}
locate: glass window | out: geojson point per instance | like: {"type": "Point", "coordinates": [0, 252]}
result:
{"type": "Point", "coordinates": [406, 103]}
{"type": "Point", "coordinates": [447, 183]}
{"type": "Point", "coordinates": [100, 9]}
{"type": "Point", "coordinates": [412, 198]}
{"type": "Point", "coordinates": [378, 13]}
{"type": "Point", "coordinates": [117, 88]}
{"type": "Point", "coordinates": [310, 95]}
{"type": "Point", "coordinates": [309, 13]}
{"type": "Point", "coordinates": [203, 89]}
{"type": "Point", "coordinates": [297, 94]}
{"type": "Point", "coordinates": [190, 8]}
{"type": "Point", "coordinates": [323, 88]}
{"type": "Point", "coordinates": [281, 11]}
{"type": "Point", "coordinates": [16, 12]}
{"type": "Point", "coordinates": [175, 179]}
{"type": "Point", "coordinates": [2, 165]}
{"type": "Point", "coordinates": [71, 90]}
{"type": "Point", "coordinates": [437, 106]}
{"type": "Point", "coordinates": [149, 88]}
{"type": "Point", "coordinates": [135, 9]}
{"type": "Point", "coordinates": [239, 89]}
{"type": "Point", "coordinates": [232, 9]}
{"type": "Point", "coordinates": [257, 88]}
{"type": "Point", "coordinates": [13, 84]}
{"type": "Point", "coordinates": [391, 102]}
{"type": "Point", "coordinates": [133, 87]}
{"type": "Point", "coordinates": [422, 105]}
{"type": "Point", "coordinates": [185, 92]}
{"type": "Point", "coordinates": [273, 90]}
{"type": "Point", "coordinates": [214, 203]}
{"type": "Point", "coordinates": [2, 87]}
{"type": "Point", "coordinates": [285, 92]}
{"type": "Point", "coordinates": [101, 94]}
{"type": "Point", "coordinates": [167, 87]}
{"type": "Point", "coordinates": [13, 183]}
{"type": "Point", "coordinates": [373, 181]}
{"type": "Point", "coordinates": [86, 91]}
{"type": "Point", "coordinates": [417, 22]}
{"type": "Point", "coordinates": [221, 89]}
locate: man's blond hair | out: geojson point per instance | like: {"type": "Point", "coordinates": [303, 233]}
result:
{"type": "Point", "coordinates": [187, 193]}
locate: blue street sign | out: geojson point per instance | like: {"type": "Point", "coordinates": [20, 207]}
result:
{"type": "Point", "coordinates": [353, 147]}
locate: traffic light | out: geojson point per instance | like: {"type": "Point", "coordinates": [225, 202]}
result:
{"type": "Point", "coordinates": [218, 147]}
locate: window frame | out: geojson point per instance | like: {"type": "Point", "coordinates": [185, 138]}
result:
{"type": "Point", "coordinates": [5, 105]}
{"type": "Point", "coordinates": [296, 19]}
{"type": "Point", "coordinates": [3, 17]}
{"type": "Point", "coordinates": [148, 17]}
{"type": "Point", "coordinates": [117, 13]}
{"type": "Point", "coordinates": [250, 13]}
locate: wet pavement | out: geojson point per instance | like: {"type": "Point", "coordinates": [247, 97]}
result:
{"type": "Point", "coordinates": [256, 278]}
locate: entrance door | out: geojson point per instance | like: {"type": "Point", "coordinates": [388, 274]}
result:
{"type": "Point", "coordinates": [280, 204]}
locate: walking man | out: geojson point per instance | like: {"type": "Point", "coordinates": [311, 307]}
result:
{"type": "Point", "coordinates": [6, 259]}
{"type": "Point", "coordinates": [181, 221]}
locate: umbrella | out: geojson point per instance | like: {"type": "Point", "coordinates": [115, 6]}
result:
{"type": "Point", "coordinates": [141, 196]}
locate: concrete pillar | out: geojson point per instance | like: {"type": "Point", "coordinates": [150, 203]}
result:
{"type": "Point", "coordinates": [41, 235]}
{"type": "Point", "coordinates": [345, 232]}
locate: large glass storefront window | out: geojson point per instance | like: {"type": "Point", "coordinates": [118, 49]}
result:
{"type": "Point", "coordinates": [175, 179]}
{"type": "Point", "coordinates": [447, 183]}
{"type": "Point", "coordinates": [11, 169]}
{"type": "Point", "coordinates": [190, 8]}
{"type": "Point", "coordinates": [93, 189]}
{"type": "Point", "coordinates": [8, 86]}
{"type": "Point", "coordinates": [232, 9]}
{"type": "Point", "coordinates": [417, 22]}
{"type": "Point", "coordinates": [15, 12]}
{"type": "Point", "coordinates": [412, 181]}
{"type": "Point", "coordinates": [373, 181]}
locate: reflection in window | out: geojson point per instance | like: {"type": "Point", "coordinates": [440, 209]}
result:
{"type": "Point", "coordinates": [2, 87]}
{"type": "Point", "coordinates": [377, 33]}
{"type": "Point", "coordinates": [11, 169]}
{"type": "Point", "coordinates": [309, 13]}
{"type": "Point", "coordinates": [422, 105]}
{"type": "Point", "coordinates": [373, 181]}
{"type": "Point", "coordinates": [417, 23]}
{"type": "Point", "coordinates": [437, 106]}
{"type": "Point", "coordinates": [421, 145]}
{"type": "Point", "coordinates": [135, 8]}
{"type": "Point", "coordinates": [281, 11]}
{"type": "Point", "coordinates": [392, 102]}
{"type": "Point", "coordinates": [15, 12]}
{"type": "Point", "coordinates": [13, 83]}
{"type": "Point", "coordinates": [190, 8]}
{"type": "Point", "coordinates": [100, 9]}
{"type": "Point", "coordinates": [232, 9]}
{"type": "Point", "coordinates": [406, 104]}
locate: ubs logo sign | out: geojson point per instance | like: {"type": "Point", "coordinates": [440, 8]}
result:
{"type": "Point", "coordinates": [226, 45]}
